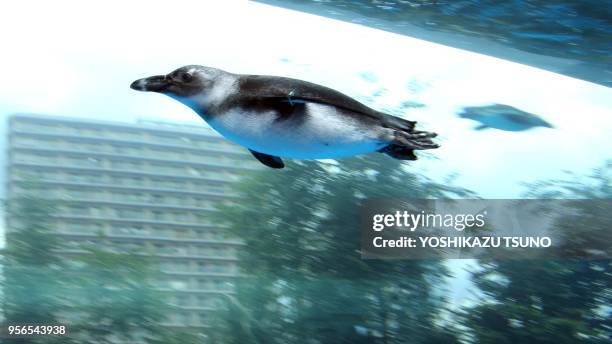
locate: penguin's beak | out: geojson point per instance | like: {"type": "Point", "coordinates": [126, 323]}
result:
{"type": "Point", "coordinates": [157, 83]}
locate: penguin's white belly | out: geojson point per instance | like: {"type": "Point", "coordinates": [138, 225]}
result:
{"type": "Point", "coordinates": [321, 133]}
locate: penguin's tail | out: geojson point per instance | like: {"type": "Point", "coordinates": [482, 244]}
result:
{"type": "Point", "coordinates": [405, 143]}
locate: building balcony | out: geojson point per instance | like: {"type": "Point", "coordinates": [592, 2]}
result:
{"type": "Point", "coordinates": [58, 133]}
{"type": "Point", "coordinates": [133, 221]}
{"type": "Point", "coordinates": [193, 308]}
{"type": "Point", "coordinates": [187, 256]}
{"type": "Point", "coordinates": [153, 238]}
{"type": "Point", "coordinates": [196, 291]}
{"type": "Point", "coordinates": [238, 165]}
{"type": "Point", "coordinates": [201, 274]}
{"type": "Point", "coordinates": [126, 204]}
{"type": "Point", "coordinates": [222, 194]}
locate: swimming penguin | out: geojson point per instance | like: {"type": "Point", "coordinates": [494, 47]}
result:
{"type": "Point", "coordinates": [278, 117]}
{"type": "Point", "coordinates": [503, 117]}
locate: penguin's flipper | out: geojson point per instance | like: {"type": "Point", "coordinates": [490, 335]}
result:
{"type": "Point", "coordinates": [268, 160]}
{"type": "Point", "coordinates": [399, 152]}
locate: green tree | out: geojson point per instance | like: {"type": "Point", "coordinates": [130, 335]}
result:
{"type": "Point", "coordinates": [32, 284]}
{"type": "Point", "coordinates": [553, 301]}
{"type": "Point", "coordinates": [306, 281]}
{"type": "Point", "coordinates": [113, 298]}
{"type": "Point", "coordinates": [101, 296]}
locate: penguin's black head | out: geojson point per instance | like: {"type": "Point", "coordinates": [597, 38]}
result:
{"type": "Point", "coordinates": [182, 83]}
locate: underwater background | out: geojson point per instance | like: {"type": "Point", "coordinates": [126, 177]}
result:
{"type": "Point", "coordinates": [518, 91]}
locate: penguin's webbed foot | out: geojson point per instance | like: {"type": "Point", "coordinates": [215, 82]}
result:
{"type": "Point", "coordinates": [418, 135]}
{"type": "Point", "coordinates": [289, 97]}
{"type": "Point", "coordinates": [416, 140]}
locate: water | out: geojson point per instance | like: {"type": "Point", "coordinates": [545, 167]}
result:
{"type": "Point", "coordinates": [518, 93]}
{"type": "Point", "coordinates": [569, 37]}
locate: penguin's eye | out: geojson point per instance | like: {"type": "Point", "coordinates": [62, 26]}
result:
{"type": "Point", "coordinates": [186, 77]}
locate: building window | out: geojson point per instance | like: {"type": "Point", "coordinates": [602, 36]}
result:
{"type": "Point", "coordinates": [158, 199]}
{"type": "Point", "coordinates": [159, 216]}
{"type": "Point", "coordinates": [79, 211]}
{"type": "Point", "coordinates": [123, 213]}
{"type": "Point", "coordinates": [203, 267]}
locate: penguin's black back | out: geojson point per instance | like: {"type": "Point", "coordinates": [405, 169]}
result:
{"type": "Point", "coordinates": [283, 93]}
